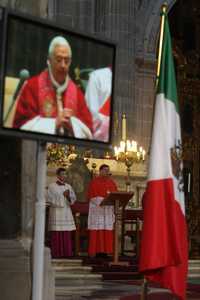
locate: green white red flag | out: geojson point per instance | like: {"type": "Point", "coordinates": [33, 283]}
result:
{"type": "Point", "coordinates": [164, 246]}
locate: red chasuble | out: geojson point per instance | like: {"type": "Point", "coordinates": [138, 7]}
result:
{"type": "Point", "coordinates": [38, 98]}
{"type": "Point", "coordinates": [105, 108]}
{"type": "Point", "coordinates": [100, 186]}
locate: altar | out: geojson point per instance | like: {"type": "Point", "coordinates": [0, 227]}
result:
{"type": "Point", "coordinates": [130, 225]}
{"type": "Point", "coordinates": [130, 222]}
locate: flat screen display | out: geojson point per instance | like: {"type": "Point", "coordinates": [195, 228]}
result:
{"type": "Point", "coordinates": [57, 85]}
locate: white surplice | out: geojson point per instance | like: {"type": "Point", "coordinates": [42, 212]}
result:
{"type": "Point", "coordinates": [60, 213]}
{"type": "Point", "coordinates": [100, 217]}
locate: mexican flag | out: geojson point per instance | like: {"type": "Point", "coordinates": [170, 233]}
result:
{"type": "Point", "coordinates": [164, 248]}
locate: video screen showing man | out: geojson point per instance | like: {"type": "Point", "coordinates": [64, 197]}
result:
{"type": "Point", "coordinates": [51, 102]}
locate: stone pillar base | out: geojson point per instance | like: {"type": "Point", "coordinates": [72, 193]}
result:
{"type": "Point", "coordinates": [15, 279]}
{"type": "Point", "coordinates": [15, 272]}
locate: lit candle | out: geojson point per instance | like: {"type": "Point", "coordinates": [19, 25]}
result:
{"type": "Point", "coordinates": [134, 146]}
{"type": "Point", "coordinates": [143, 154]}
{"type": "Point", "coordinates": [128, 145]}
{"type": "Point", "coordinates": [116, 150]}
{"type": "Point", "coordinates": [123, 127]}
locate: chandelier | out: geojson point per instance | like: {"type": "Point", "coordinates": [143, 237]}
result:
{"type": "Point", "coordinates": [128, 152]}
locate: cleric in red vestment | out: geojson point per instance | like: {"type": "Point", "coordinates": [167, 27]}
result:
{"type": "Point", "coordinates": [100, 218]}
{"type": "Point", "coordinates": [51, 102]}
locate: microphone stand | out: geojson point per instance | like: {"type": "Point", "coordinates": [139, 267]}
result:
{"type": "Point", "coordinates": [23, 76]}
{"type": "Point", "coordinates": [62, 131]}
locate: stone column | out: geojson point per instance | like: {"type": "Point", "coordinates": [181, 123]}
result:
{"type": "Point", "coordinates": [16, 254]}
{"type": "Point", "coordinates": [145, 98]}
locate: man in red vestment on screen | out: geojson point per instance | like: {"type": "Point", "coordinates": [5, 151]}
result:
{"type": "Point", "coordinates": [51, 102]}
{"type": "Point", "coordinates": [100, 218]}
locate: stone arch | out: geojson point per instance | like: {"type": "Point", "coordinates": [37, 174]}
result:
{"type": "Point", "coordinates": [149, 15]}
{"type": "Point", "coordinates": [147, 32]}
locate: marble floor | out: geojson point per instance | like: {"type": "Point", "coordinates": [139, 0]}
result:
{"type": "Point", "coordinates": [108, 290]}
{"type": "Point", "coordinates": [77, 281]}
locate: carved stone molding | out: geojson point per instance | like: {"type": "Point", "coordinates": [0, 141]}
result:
{"type": "Point", "coordinates": [147, 27]}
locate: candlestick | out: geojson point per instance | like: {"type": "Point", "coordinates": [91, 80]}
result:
{"type": "Point", "coordinates": [123, 127]}
{"type": "Point", "coordinates": [189, 182]}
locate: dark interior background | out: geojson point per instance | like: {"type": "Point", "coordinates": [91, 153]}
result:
{"type": "Point", "coordinates": [28, 42]}
{"type": "Point", "coordinates": [10, 180]}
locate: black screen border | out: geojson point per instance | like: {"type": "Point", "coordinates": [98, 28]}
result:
{"type": "Point", "coordinates": [7, 13]}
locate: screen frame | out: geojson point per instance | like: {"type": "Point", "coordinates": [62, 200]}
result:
{"type": "Point", "coordinates": [17, 133]}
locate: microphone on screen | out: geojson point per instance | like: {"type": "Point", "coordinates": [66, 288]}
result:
{"type": "Point", "coordinates": [23, 76]}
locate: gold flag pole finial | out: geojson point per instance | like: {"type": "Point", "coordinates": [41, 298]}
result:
{"type": "Point", "coordinates": [163, 11]}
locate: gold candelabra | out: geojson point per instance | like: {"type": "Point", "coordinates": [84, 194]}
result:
{"type": "Point", "coordinates": [128, 152]}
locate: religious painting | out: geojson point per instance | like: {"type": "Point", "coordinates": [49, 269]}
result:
{"type": "Point", "coordinates": [78, 176]}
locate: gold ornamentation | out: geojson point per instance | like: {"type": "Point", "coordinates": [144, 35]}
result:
{"type": "Point", "coordinates": [48, 107]}
{"type": "Point", "coordinates": [128, 152]}
{"type": "Point", "coordinates": [60, 155]}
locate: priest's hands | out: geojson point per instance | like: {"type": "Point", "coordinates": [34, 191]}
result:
{"type": "Point", "coordinates": [63, 123]}
{"type": "Point", "coordinates": [66, 194]}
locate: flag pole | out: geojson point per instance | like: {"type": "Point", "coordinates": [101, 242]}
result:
{"type": "Point", "coordinates": [162, 23]}
{"type": "Point", "coordinates": [163, 9]}
{"type": "Point", "coordinates": [162, 26]}
{"type": "Point", "coordinates": [143, 295]}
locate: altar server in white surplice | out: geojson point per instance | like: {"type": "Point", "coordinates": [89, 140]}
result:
{"type": "Point", "coordinates": [60, 197]}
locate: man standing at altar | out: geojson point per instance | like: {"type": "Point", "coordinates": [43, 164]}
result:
{"type": "Point", "coordinates": [100, 218]}
{"type": "Point", "coordinates": [60, 196]}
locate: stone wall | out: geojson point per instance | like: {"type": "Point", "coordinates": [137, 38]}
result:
{"type": "Point", "coordinates": [134, 25]}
